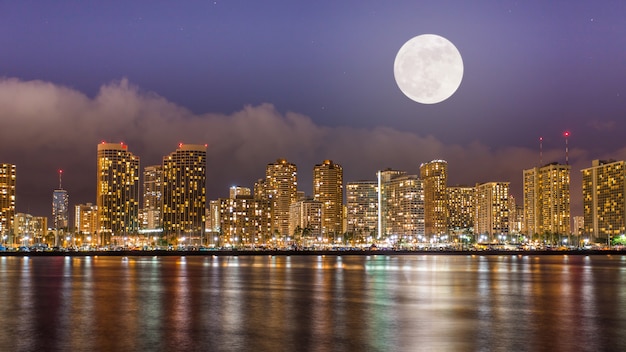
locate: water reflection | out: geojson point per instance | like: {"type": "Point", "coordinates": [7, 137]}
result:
{"type": "Point", "coordinates": [317, 303]}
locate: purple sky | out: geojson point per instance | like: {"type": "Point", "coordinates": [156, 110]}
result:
{"type": "Point", "coordinates": [259, 80]}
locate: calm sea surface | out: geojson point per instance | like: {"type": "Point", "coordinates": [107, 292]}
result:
{"type": "Point", "coordinates": [316, 303]}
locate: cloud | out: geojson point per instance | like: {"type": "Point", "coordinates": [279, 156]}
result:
{"type": "Point", "coordinates": [47, 127]}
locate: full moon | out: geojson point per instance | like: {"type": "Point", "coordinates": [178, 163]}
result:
{"type": "Point", "coordinates": [428, 69]}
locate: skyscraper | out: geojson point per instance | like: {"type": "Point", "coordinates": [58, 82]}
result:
{"type": "Point", "coordinates": [117, 193]}
{"type": "Point", "coordinates": [383, 178]}
{"type": "Point", "coordinates": [492, 211]}
{"type": "Point", "coordinates": [547, 200]}
{"type": "Point", "coordinates": [280, 188]}
{"type": "Point", "coordinates": [244, 220]}
{"type": "Point", "coordinates": [184, 194]}
{"type": "Point", "coordinates": [152, 197]}
{"type": "Point", "coordinates": [85, 219]}
{"type": "Point", "coordinates": [235, 191]}
{"type": "Point", "coordinates": [328, 189]}
{"type": "Point", "coordinates": [435, 177]}
{"type": "Point", "coordinates": [405, 206]}
{"type": "Point", "coordinates": [461, 201]}
{"type": "Point", "coordinates": [305, 222]}
{"type": "Point", "coordinates": [362, 202]}
{"type": "Point", "coordinates": [7, 201]}
{"type": "Point", "coordinates": [604, 200]}
{"type": "Point", "coordinates": [60, 210]}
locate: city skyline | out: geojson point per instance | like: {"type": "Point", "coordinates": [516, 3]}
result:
{"type": "Point", "coordinates": [306, 82]}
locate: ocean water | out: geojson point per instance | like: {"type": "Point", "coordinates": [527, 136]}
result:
{"type": "Point", "coordinates": [314, 303]}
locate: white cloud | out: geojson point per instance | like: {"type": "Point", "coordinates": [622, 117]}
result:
{"type": "Point", "coordinates": [46, 127]}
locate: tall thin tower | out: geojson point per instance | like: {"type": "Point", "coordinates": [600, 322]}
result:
{"type": "Point", "coordinates": [566, 135]}
{"type": "Point", "coordinates": [60, 210]}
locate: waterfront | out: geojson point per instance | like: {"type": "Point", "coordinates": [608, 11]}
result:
{"type": "Point", "coordinates": [464, 302]}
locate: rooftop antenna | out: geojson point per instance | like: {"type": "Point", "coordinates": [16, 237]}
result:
{"type": "Point", "coordinates": [566, 135]}
{"type": "Point", "coordinates": [540, 151]}
{"type": "Point", "coordinates": [60, 180]}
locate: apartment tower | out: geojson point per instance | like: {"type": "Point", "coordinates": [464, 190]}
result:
{"type": "Point", "coordinates": [604, 200]}
{"type": "Point", "coordinates": [547, 200]}
{"type": "Point", "coordinates": [328, 190]}
{"type": "Point", "coordinates": [152, 197]}
{"type": "Point", "coordinates": [184, 195]}
{"type": "Point", "coordinates": [491, 210]}
{"type": "Point", "coordinates": [7, 201]}
{"type": "Point", "coordinates": [280, 188]}
{"type": "Point", "coordinates": [434, 174]}
{"type": "Point", "coordinates": [117, 198]}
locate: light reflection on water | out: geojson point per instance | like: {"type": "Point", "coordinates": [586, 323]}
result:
{"type": "Point", "coordinates": [313, 303]}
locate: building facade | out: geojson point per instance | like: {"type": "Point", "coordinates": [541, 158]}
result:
{"type": "Point", "coordinates": [184, 195]}
{"type": "Point", "coordinates": [384, 177]}
{"type": "Point", "coordinates": [328, 189]}
{"type": "Point", "coordinates": [461, 201]}
{"type": "Point", "coordinates": [305, 223]}
{"type": "Point", "coordinates": [151, 218]}
{"type": "Point", "coordinates": [30, 229]}
{"type": "Point", "coordinates": [547, 200]}
{"type": "Point", "coordinates": [60, 209]}
{"type": "Point", "coordinates": [604, 202]}
{"type": "Point", "coordinates": [85, 219]}
{"type": "Point", "coordinates": [404, 207]}
{"type": "Point", "coordinates": [280, 188]}
{"type": "Point", "coordinates": [7, 202]}
{"type": "Point", "coordinates": [434, 174]}
{"type": "Point", "coordinates": [362, 208]}
{"type": "Point", "coordinates": [244, 220]}
{"type": "Point", "coordinates": [117, 193]}
{"type": "Point", "coordinates": [491, 222]}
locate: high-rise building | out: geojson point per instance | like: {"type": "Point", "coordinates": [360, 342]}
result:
{"type": "Point", "coordinates": [547, 200]}
{"type": "Point", "coordinates": [7, 202]}
{"type": "Point", "coordinates": [461, 201]}
{"type": "Point", "coordinates": [383, 178]}
{"type": "Point", "coordinates": [579, 225]}
{"type": "Point", "coordinates": [244, 220]}
{"type": "Point", "coordinates": [30, 229]}
{"type": "Point", "coordinates": [328, 189]}
{"type": "Point", "coordinates": [117, 193]}
{"type": "Point", "coordinates": [152, 197]}
{"type": "Point", "coordinates": [60, 207]}
{"type": "Point", "coordinates": [362, 204]}
{"type": "Point", "coordinates": [491, 222]}
{"type": "Point", "coordinates": [85, 219]}
{"type": "Point", "coordinates": [239, 191]}
{"type": "Point", "coordinates": [305, 222]}
{"type": "Point", "coordinates": [404, 207]}
{"type": "Point", "coordinates": [184, 195]}
{"type": "Point", "coordinates": [604, 200]}
{"type": "Point", "coordinates": [434, 174]}
{"type": "Point", "coordinates": [280, 188]}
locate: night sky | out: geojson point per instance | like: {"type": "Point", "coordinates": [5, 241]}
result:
{"type": "Point", "coordinates": [307, 81]}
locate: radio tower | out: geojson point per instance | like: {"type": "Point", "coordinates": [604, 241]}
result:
{"type": "Point", "coordinates": [540, 151]}
{"type": "Point", "coordinates": [566, 135]}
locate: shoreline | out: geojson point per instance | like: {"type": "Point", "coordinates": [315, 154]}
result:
{"type": "Point", "coordinates": [220, 253]}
